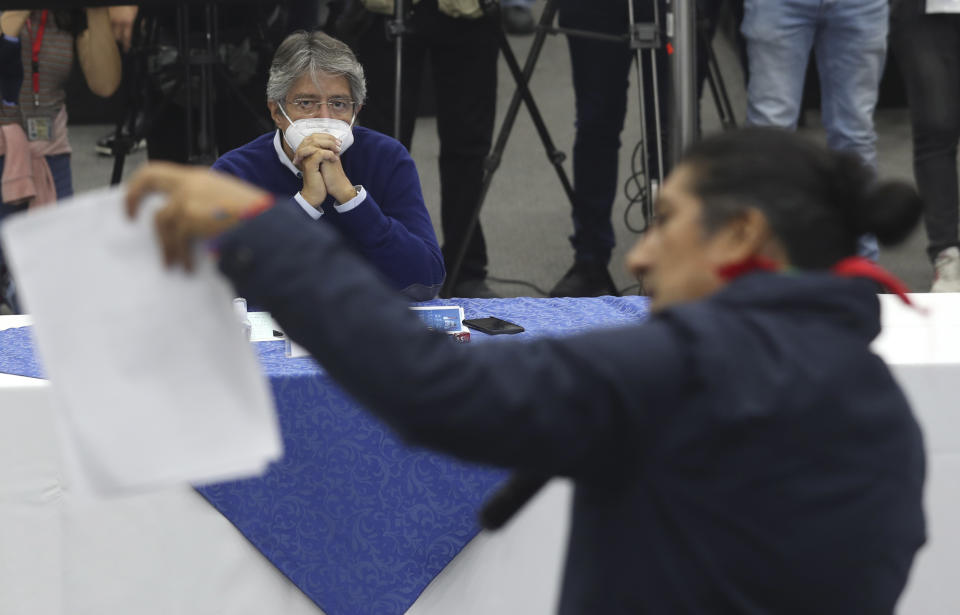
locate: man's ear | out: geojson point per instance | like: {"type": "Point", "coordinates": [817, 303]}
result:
{"type": "Point", "coordinates": [275, 114]}
{"type": "Point", "coordinates": [743, 236]}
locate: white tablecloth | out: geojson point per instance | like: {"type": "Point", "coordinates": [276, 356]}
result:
{"type": "Point", "coordinates": [170, 552]}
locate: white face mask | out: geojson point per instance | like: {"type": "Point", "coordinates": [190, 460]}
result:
{"type": "Point", "coordinates": [298, 130]}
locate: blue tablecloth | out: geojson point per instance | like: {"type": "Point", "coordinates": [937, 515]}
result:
{"type": "Point", "coordinates": [359, 521]}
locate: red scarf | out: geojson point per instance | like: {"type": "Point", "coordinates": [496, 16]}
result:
{"type": "Point", "coordinates": [852, 267]}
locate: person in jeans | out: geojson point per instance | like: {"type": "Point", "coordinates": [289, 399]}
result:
{"type": "Point", "coordinates": [926, 43]}
{"type": "Point", "coordinates": [849, 40]}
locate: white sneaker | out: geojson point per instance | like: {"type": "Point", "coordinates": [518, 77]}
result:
{"type": "Point", "coordinates": [946, 277]}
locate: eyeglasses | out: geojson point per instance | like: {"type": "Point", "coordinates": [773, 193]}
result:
{"type": "Point", "coordinates": [341, 108]}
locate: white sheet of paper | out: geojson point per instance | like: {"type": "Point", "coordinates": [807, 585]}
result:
{"type": "Point", "coordinates": [262, 327]}
{"type": "Point", "coordinates": [154, 380]}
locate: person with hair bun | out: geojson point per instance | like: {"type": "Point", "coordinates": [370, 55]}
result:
{"type": "Point", "coordinates": [742, 450]}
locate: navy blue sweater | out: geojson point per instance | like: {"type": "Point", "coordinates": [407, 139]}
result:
{"type": "Point", "coordinates": [391, 228]}
{"type": "Point", "coordinates": [746, 453]}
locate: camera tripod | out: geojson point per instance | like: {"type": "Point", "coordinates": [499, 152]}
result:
{"type": "Point", "coordinates": [189, 74]}
{"type": "Point", "coordinates": [646, 40]}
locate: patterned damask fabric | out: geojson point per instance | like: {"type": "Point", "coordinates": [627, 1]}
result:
{"type": "Point", "coordinates": [16, 353]}
{"type": "Point", "coordinates": [355, 518]}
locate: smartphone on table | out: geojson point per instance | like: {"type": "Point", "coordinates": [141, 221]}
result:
{"type": "Point", "coordinates": [492, 325]}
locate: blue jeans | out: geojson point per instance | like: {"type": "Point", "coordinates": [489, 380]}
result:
{"type": "Point", "coordinates": [849, 40]}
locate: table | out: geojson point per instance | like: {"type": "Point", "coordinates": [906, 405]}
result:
{"type": "Point", "coordinates": [171, 552]}
{"type": "Point", "coordinates": [345, 489]}
{"type": "Point", "coordinates": [923, 352]}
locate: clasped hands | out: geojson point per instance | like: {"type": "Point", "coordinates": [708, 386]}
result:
{"type": "Point", "coordinates": [201, 203]}
{"type": "Point", "coordinates": [318, 158]}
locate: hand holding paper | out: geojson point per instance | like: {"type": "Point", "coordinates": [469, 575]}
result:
{"type": "Point", "coordinates": [155, 381]}
{"type": "Point", "coordinates": [198, 204]}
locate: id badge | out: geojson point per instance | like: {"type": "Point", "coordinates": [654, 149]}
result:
{"type": "Point", "coordinates": [40, 128]}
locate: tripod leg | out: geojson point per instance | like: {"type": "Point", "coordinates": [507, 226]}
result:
{"type": "Point", "coordinates": [126, 120]}
{"type": "Point", "coordinates": [183, 56]}
{"type": "Point", "coordinates": [718, 88]}
{"type": "Point", "coordinates": [206, 143]}
{"type": "Point", "coordinates": [555, 156]}
{"type": "Point", "coordinates": [522, 94]}
{"type": "Point", "coordinates": [133, 64]}
{"type": "Point", "coordinates": [398, 74]}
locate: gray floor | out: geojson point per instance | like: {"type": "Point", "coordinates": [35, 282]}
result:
{"type": "Point", "coordinates": [526, 217]}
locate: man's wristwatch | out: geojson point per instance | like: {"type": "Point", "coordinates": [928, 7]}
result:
{"type": "Point", "coordinates": [356, 193]}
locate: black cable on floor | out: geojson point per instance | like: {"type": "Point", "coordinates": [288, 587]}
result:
{"type": "Point", "coordinates": [638, 286]}
{"type": "Point", "coordinates": [520, 283]}
{"type": "Point", "coordinates": [622, 291]}
{"type": "Point", "coordinates": [635, 191]}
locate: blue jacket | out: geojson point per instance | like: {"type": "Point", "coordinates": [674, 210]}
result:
{"type": "Point", "coordinates": [746, 453]}
{"type": "Point", "coordinates": [391, 228]}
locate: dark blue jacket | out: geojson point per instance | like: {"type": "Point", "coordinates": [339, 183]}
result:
{"type": "Point", "coordinates": [746, 453]}
{"type": "Point", "coordinates": [391, 228]}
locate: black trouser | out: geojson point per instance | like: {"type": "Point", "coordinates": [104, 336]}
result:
{"type": "Point", "coordinates": [463, 53]}
{"type": "Point", "coordinates": [927, 48]}
{"type": "Point", "coordinates": [601, 72]}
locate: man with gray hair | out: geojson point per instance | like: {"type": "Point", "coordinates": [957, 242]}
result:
{"type": "Point", "coordinates": [370, 193]}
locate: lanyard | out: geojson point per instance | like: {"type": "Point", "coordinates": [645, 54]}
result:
{"type": "Point", "coordinates": [35, 56]}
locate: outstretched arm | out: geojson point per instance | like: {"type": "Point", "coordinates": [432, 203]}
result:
{"type": "Point", "coordinates": [577, 406]}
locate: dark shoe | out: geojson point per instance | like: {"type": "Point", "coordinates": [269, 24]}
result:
{"type": "Point", "coordinates": [473, 288]}
{"type": "Point", "coordinates": [585, 279]}
{"type": "Point", "coordinates": [518, 20]}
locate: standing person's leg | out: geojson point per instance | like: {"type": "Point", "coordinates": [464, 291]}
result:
{"type": "Point", "coordinates": [464, 56]}
{"type": "Point", "coordinates": [600, 81]}
{"type": "Point", "coordinates": [63, 183]}
{"type": "Point", "coordinates": [8, 291]}
{"type": "Point", "coordinates": [851, 49]}
{"type": "Point", "coordinates": [779, 37]}
{"type": "Point", "coordinates": [378, 56]}
{"type": "Point", "coordinates": [62, 176]}
{"type": "Point", "coordinates": [927, 48]}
